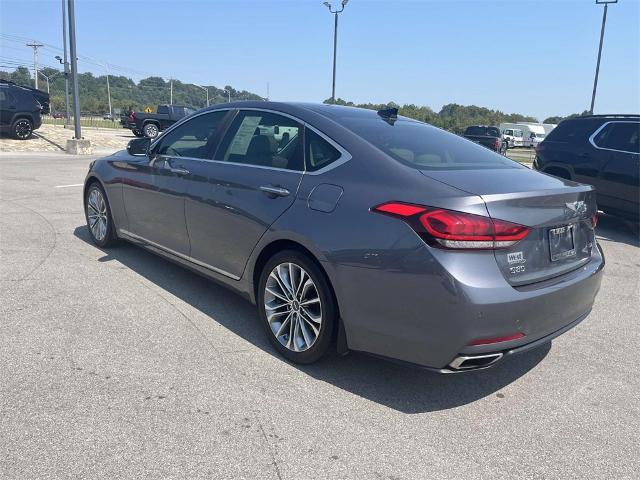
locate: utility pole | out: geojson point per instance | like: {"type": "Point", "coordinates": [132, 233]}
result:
{"type": "Point", "coordinates": [171, 91]}
{"type": "Point", "coordinates": [65, 65]}
{"type": "Point", "coordinates": [74, 70]}
{"type": "Point", "coordinates": [343, 4]}
{"type": "Point", "coordinates": [106, 67]}
{"type": "Point", "coordinates": [35, 47]}
{"type": "Point", "coordinates": [604, 21]}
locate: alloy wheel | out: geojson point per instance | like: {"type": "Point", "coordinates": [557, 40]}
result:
{"type": "Point", "coordinates": [293, 307]}
{"type": "Point", "coordinates": [23, 129]}
{"type": "Point", "coordinates": [97, 214]}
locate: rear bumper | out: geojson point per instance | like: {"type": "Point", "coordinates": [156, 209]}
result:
{"type": "Point", "coordinates": [430, 315]}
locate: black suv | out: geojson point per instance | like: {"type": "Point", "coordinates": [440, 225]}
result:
{"type": "Point", "coordinates": [601, 150]}
{"type": "Point", "coordinates": [20, 111]}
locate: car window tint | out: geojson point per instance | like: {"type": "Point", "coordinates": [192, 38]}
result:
{"type": "Point", "coordinates": [320, 153]}
{"type": "Point", "coordinates": [423, 146]}
{"type": "Point", "coordinates": [264, 139]}
{"type": "Point", "coordinates": [192, 138]}
{"type": "Point", "coordinates": [163, 109]}
{"type": "Point", "coordinates": [3, 96]}
{"type": "Point", "coordinates": [622, 136]}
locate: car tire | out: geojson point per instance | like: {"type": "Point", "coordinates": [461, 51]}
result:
{"type": "Point", "coordinates": [137, 133]}
{"type": "Point", "coordinates": [301, 333]}
{"type": "Point", "coordinates": [151, 130]}
{"type": "Point", "coordinates": [22, 129]}
{"type": "Point", "coordinates": [98, 216]}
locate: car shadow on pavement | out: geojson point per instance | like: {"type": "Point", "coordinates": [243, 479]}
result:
{"type": "Point", "coordinates": [402, 387]}
{"type": "Point", "coordinates": [615, 229]}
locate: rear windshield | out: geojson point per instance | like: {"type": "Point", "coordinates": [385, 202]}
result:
{"type": "Point", "coordinates": [422, 146]}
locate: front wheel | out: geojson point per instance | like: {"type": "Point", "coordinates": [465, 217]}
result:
{"type": "Point", "coordinates": [151, 130]}
{"type": "Point", "coordinates": [98, 215]}
{"type": "Point", "coordinates": [297, 306]}
{"type": "Point", "coordinates": [22, 129]}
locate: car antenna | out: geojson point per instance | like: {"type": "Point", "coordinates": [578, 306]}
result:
{"type": "Point", "coordinates": [389, 115]}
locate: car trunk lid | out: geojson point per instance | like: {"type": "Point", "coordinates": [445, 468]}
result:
{"type": "Point", "coordinates": [559, 213]}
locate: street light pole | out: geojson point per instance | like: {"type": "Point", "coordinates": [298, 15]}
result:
{"type": "Point", "coordinates": [74, 70]}
{"type": "Point", "coordinates": [604, 21]}
{"type": "Point", "coordinates": [343, 3]}
{"type": "Point", "coordinates": [228, 92]}
{"type": "Point", "coordinates": [205, 89]}
{"type": "Point", "coordinates": [65, 65]}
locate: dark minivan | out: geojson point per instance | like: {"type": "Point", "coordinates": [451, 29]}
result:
{"type": "Point", "coordinates": [600, 150]}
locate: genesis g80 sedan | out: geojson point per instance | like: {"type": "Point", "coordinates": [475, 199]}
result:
{"type": "Point", "coordinates": [360, 229]}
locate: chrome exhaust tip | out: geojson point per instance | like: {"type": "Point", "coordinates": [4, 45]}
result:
{"type": "Point", "coordinates": [474, 362]}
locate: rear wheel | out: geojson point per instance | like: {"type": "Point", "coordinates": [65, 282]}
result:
{"type": "Point", "coordinates": [98, 215]}
{"type": "Point", "coordinates": [297, 306]}
{"type": "Point", "coordinates": [22, 129]}
{"type": "Point", "coordinates": [151, 130]}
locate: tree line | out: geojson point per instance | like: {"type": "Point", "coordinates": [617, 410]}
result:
{"type": "Point", "coordinates": [150, 91]}
{"type": "Point", "coordinates": [125, 93]}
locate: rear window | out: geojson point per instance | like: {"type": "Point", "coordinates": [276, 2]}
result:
{"type": "Point", "coordinates": [477, 130]}
{"type": "Point", "coordinates": [422, 146]}
{"type": "Point", "coordinates": [573, 130]}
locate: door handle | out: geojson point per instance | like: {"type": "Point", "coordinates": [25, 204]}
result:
{"type": "Point", "coordinates": [274, 191]}
{"type": "Point", "coordinates": [179, 171]}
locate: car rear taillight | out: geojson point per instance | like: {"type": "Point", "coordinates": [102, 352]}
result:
{"type": "Point", "coordinates": [132, 117]}
{"type": "Point", "coordinates": [455, 230]}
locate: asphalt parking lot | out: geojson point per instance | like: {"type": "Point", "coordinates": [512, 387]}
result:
{"type": "Point", "coordinates": [119, 364]}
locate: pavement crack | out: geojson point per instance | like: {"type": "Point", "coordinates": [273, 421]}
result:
{"type": "Point", "coordinates": [274, 461]}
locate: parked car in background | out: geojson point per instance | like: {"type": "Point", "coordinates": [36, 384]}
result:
{"type": "Point", "coordinates": [600, 150]}
{"type": "Point", "coordinates": [402, 239]}
{"type": "Point", "coordinates": [514, 137]}
{"type": "Point", "coordinates": [107, 116]}
{"type": "Point", "coordinates": [42, 97]}
{"type": "Point", "coordinates": [489, 137]}
{"type": "Point", "coordinates": [20, 111]}
{"type": "Point", "coordinates": [58, 115]}
{"type": "Point", "coordinates": [532, 133]}
{"type": "Point", "coordinates": [151, 124]}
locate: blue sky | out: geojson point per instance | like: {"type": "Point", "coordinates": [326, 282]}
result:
{"type": "Point", "coordinates": [531, 57]}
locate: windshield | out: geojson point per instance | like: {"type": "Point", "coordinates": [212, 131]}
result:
{"type": "Point", "coordinates": [422, 146]}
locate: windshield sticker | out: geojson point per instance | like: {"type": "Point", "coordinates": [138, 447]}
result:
{"type": "Point", "coordinates": [242, 139]}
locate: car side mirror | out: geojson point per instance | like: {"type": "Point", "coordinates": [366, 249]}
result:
{"type": "Point", "coordinates": [139, 146]}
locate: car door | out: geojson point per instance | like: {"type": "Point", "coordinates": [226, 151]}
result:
{"type": "Point", "coordinates": [155, 187]}
{"type": "Point", "coordinates": [256, 171]}
{"type": "Point", "coordinates": [617, 185]}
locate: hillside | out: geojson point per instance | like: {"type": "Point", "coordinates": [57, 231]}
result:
{"type": "Point", "coordinates": [125, 92]}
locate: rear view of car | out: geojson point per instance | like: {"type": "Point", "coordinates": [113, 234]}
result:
{"type": "Point", "coordinates": [20, 110]}
{"type": "Point", "coordinates": [599, 150]}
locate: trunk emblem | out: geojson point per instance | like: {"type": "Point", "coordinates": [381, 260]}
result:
{"type": "Point", "coordinates": [578, 207]}
{"type": "Point", "coordinates": [515, 257]}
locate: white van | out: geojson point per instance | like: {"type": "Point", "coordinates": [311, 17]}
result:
{"type": "Point", "coordinates": [532, 133]}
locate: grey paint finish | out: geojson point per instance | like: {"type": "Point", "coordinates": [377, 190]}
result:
{"type": "Point", "coordinates": [397, 296]}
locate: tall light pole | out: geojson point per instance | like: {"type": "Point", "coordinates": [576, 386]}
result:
{"type": "Point", "coordinates": [205, 89]}
{"type": "Point", "coordinates": [604, 21]}
{"type": "Point", "coordinates": [74, 70]}
{"type": "Point", "coordinates": [343, 4]}
{"type": "Point", "coordinates": [48, 92]}
{"type": "Point", "coordinates": [65, 64]}
{"type": "Point", "coordinates": [228, 92]}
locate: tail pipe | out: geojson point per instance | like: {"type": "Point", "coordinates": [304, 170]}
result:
{"type": "Point", "coordinates": [474, 362]}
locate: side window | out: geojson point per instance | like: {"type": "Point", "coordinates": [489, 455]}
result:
{"type": "Point", "coordinates": [601, 138]}
{"type": "Point", "coordinates": [264, 139]}
{"type": "Point", "coordinates": [193, 138]}
{"type": "Point", "coordinates": [320, 153]}
{"type": "Point", "coordinates": [623, 136]}
{"type": "Point", "coordinates": [162, 109]}
{"type": "Point", "coordinates": [3, 96]}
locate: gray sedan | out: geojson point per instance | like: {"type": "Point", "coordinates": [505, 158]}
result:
{"type": "Point", "coordinates": [363, 229]}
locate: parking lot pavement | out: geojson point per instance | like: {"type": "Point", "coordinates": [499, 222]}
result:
{"type": "Point", "coordinates": [118, 364]}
